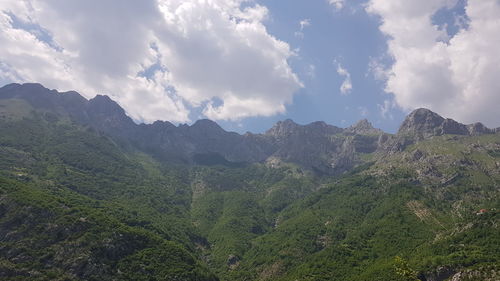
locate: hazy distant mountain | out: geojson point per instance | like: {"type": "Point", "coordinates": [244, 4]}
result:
{"type": "Point", "coordinates": [317, 146]}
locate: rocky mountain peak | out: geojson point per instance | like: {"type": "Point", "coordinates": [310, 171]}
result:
{"type": "Point", "coordinates": [323, 128]}
{"type": "Point", "coordinates": [204, 128]}
{"type": "Point", "coordinates": [73, 96]}
{"type": "Point", "coordinates": [479, 129]}
{"type": "Point", "coordinates": [34, 93]}
{"type": "Point", "coordinates": [108, 116]}
{"type": "Point", "coordinates": [158, 124]}
{"type": "Point", "coordinates": [104, 104]}
{"type": "Point", "coordinates": [363, 123]}
{"type": "Point", "coordinates": [283, 128]}
{"type": "Point", "coordinates": [363, 127]}
{"type": "Point", "coordinates": [31, 88]}
{"type": "Point", "coordinates": [318, 124]}
{"type": "Point", "coordinates": [318, 146]}
{"type": "Point", "coordinates": [206, 124]}
{"type": "Point", "coordinates": [421, 121]}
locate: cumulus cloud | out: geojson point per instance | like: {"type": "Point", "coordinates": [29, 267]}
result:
{"type": "Point", "coordinates": [346, 86]}
{"type": "Point", "coordinates": [158, 59]}
{"type": "Point", "coordinates": [456, 77]}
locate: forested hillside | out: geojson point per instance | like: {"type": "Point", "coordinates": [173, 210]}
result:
{"type": "Point", "coordinates": [85, 197]}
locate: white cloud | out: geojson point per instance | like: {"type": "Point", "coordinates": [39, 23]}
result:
{"type": "Point", "coordinates": [337, 4]}
{"type": "Point", "coordinates": [457, 78]}
{"type": "Point", "coordinates": [346, 86]}
{"type": "Point", "coordinates": [377, 69]}
{"type": "Point", "coordinates": [194, 52]}
{"type": "Point", "coordinates": [303, 24]}
{"type": "Point", "coordinates": [385, 109]}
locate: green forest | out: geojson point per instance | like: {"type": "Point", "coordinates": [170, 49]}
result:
{"type": "Point", "coordinates": [77, 204]}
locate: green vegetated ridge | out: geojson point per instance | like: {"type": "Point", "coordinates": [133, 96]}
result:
{"type": "Point", "coordinates": [75, 204]}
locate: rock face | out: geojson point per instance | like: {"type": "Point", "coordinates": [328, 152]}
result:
{"type": "Point", "coordinates": [423, 123]}
{"type": "Point", "coordinates": [312, 145]}
{"type": "Point", "coordinates": [447, 273]}
{"type": "Point", "coordinates": [363, 127]}
{"type": "Point", "coordinates": [317, 146]}
{"type": "Point", "coordinates": [478, 128]}
{"type": "Point", "coordinates": [440, 274]}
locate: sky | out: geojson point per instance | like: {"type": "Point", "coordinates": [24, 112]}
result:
{"type": "Point", "coordinates": [249, 64]}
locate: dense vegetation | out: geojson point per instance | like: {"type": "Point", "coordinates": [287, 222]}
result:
{"type": "Point", "coordinates": [78, 205]}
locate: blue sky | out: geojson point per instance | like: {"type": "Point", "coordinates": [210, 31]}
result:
{"type": "Point", "coordinates": [350, 37]}
{"type": "Point", "coordinates": [250, 63]}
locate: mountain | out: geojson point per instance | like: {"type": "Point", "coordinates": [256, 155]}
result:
{"type": "Point", "coordinates": [423, 123]}
{"type": "Point", "coordinates": [317, 146]}
{"type": "Point", "coordinates": [88, 194]}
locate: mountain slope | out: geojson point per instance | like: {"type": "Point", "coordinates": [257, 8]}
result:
{"type": "Point", "coordinates": [354, 227]}
{"type": "Point", "coordinates": [299, 202]}
{"type": "Point", "coordinates": [74, 205]}
{"type": "Point", "coordinates": [60, 236]}
{"type": "Point", "coordinates": [327, 149]}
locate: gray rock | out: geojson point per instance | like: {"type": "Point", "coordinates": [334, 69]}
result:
{"type": "Point", "coordinates": [478, 128]}
{"type": "Point", "coordinates": [423, 123]}
{"type": "Point", "coordinates": [363, 127]}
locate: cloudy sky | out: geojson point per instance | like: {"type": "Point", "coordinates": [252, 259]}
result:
{"type": "Point", "coordinates": [248, 64]}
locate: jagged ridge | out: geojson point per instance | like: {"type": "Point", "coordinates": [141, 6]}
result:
{"type": "Point", "coordinates": [317, 146]}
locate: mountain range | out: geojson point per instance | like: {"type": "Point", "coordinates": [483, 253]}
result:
{"type": "Point", "coordinates": [88, 194]}
{"type": "Point", "coordinates": [316, 146]}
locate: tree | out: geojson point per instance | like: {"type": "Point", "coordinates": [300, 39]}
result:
{"type": "Point", "coordinates": [404, 270]}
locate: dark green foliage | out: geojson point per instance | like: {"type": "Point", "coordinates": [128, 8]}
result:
{"type": "Point", "coordinates": [77, 205]}
{"type": "Point", "coordinates": [153, 264]}
{"type": "Point", "coordinates": [354, 229]}
{"type": "Point", "coordinates": [46, 236]}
